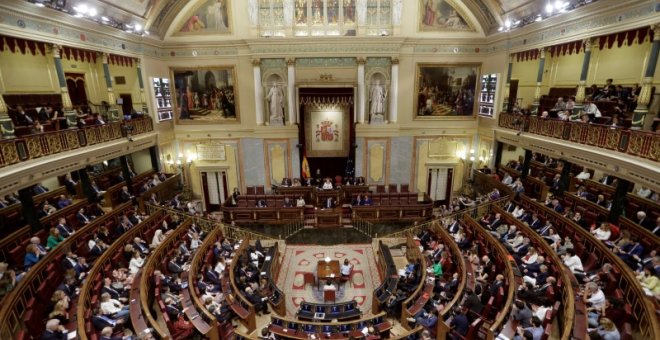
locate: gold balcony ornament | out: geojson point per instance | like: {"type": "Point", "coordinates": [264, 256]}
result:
{"type": "Point", "coordinates": [326, 77]}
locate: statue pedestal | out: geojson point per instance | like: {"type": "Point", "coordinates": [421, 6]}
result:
{"type": "Point", "coordinates": [377, 119]}
{"type": "Point", "coordinates": [276, 121]}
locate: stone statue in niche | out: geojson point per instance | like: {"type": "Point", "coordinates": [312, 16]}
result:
{"type": "Point", "coordinates": [377, 97]}
{"type": "Point", "coordinates": [397, 7]}
{"type": "Point", "coordinates": [288, 12]}
{"type": "Point", "coordinates": [253, 12]}
{"type": "Point", "coordinates": [275, 98]}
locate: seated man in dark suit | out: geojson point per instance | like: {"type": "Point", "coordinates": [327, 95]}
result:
{"type": "Point", "coordinates": [459, 323]}
{"type": "Point", "coordinates": [115, 293]}
{"type": "Point", "coordinates": [82, 217]}
{"type": "Point", "coordinates": [125, 195]}
{"type": "Point", "coordinates": [262, 204]}
{"type": "Point", "coordinates": [22, 119]}
{"type": "Point", "coordinates": [174, 267]}
{"type": "Point", "coordinates": [366, 200]}
{"type": "Point", "coordinates": [64, 229]}
{"type": "Point", "coordinates": [39, 189]}
{"type": "Point", "coordinates": [287, 203]}
{"type": "Point", "coordinates": [259, 302]}
{"type": "Point", "coordinates": [54, 331]}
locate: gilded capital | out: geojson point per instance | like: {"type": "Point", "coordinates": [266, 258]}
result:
{"type": "Point", "coordinates": [587, 44]}
{"type": "Point", "coordinates": [256, 62]}
{"type": "Point", "coordinates": [361, 60]}
{"type": "Point", "coordinates": [395, 61]}
{"type": "Point", "coordinates": [291, 62]}
{"type": "Point", "coordinates": [542, 52]}
{"type": "Point", "coordinates": [656, 32]}
{"type": "Point", "coordinates": [104, 58]}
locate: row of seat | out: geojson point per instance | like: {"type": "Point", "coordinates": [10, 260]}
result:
{"type": "Point", "coordinates": [496, 311]}
{"type": "Point", "coordinates": [340, 311]}
{"type": "Point", "coordinates": [342, 330]}
{"type": "Point", "coordinates": [594, 254]}
{"type": "Point", "coordinates": [562, 292]}
{"type": "Point", "coordinates": [25, 307]}
{"type": "Point", "coordinates": [111, 259]}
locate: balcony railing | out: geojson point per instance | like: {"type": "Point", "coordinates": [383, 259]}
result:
{"type": "Point", "coordinates": [29, 147]}
{"type": "Point", "coordinates": [643, 144]}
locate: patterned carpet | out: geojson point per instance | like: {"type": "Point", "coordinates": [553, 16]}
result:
{"type": "Point", "coordinates": [300, 259]}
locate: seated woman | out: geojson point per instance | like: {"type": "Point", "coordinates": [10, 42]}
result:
{"type": "Point", "coordinates": [54, 238]}
{"type": "Point", "coordinates": [327, 184]}
{"type": "Point", "coordinates": [300, 202]}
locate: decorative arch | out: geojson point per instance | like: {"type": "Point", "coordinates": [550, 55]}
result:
{"type": "Point", "coordinates": [447, 16]}
{"type": "Point", "coordinates": [203, 17]}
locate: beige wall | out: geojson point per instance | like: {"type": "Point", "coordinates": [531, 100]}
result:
{"type": "Point", "coordinates": [27, 73]}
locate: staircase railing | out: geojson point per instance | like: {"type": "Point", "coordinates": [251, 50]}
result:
{"type": "Point", "coordinates": [364, 226]}
{"type": "Point", "coordinates": [291, 228]}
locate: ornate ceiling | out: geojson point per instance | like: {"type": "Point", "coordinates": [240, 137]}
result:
{"type": "Point", "coordinates": [162, 13]}
{"type": "Point", "coordinates": [157, 16]}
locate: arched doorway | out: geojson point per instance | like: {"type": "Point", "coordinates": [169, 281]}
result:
{"type": "Point", "coordinates": [75, 84]}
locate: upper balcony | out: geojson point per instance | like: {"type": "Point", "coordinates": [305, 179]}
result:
{"type": "Point", "coordinates": [628, 154]}
{"type": "Point", "coordinates": [644, 144]}
{"type": "Point", "coordinates": [29, 147]}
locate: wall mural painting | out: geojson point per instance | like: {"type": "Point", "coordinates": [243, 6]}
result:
{"type": "Point", "coordinates": [205, 95]}
{"type": "Point", "coordinates": [446, 90]}
{"type": "Point", "coordinates": [211, 17]}
{"type": "Point", "coordinates": [441, 15]}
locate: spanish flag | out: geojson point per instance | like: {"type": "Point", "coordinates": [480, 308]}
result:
{"type": "Point", "coordinates": [306, 173]}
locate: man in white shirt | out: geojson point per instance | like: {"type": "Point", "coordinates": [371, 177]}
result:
{"type": "Point", "coordinates": [507, 179]}
{"type": "Point", "coordinates": [346, 269]}
{"type": "Point", "coordinates": [583, 175]}
{"type": "Point", "coordinates": [113, 307]}
{"type": "Point", "coordinates": [573, 262]}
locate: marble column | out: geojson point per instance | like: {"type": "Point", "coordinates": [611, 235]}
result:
{"type": "Point", "coordinates": [525, 166]}
{"type": "Point", "coordinates": [28, 209]}
{"type": "Point", "coordinates": [258, 91]}
{"type": "Point", "coordinates": [66, 99]}
{"type": "Point", "coordinates": [108, 80]}
{"type": "Point", "coordinates": [394, 91]}
{"type": "Point", "coordinates": [619, 200]}
{"type": "Point", "coordinates": [644, 98]}
{"type": "Point", "coordinates": [361, 90]}
{"type": "Point", "coordinates": [580, 95]}
{"type": "Point", "coordinates": [143, 98]}
{"type": "Point", "coordinates": [539, 79]}
{"type": "Point", "coordinates": [291, 91]}
{"type": "Point", "coordinates": [6, 124]}
{"type": "Point", "coordinates": [508, 106]}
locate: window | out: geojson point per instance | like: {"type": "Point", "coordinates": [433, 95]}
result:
{"type": "Point", "coordinates": [163, 98]}
{"type": "Point", "coordinates": [487, 94]}
{"type": "Point", "coordinates": [324, 17]}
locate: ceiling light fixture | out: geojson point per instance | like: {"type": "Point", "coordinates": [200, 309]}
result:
{"type": "Point", "coordinates": [549, 8]}
{"type": "Point", "coordinates": [92, 12]}
{"type": "Point", "coordinates": [138, 27]}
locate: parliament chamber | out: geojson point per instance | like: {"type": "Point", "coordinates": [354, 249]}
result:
{"type": "Point", "coordinates": [329, 169]}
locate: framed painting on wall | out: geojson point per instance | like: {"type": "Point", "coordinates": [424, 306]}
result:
{"type": "Point", "coordinates": [211, 17]}
{"type": "Point", "coordinates": [446, 91]}
{"type": "Point", "coordinates": [205, 94]}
